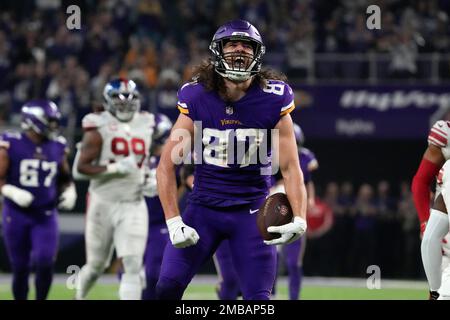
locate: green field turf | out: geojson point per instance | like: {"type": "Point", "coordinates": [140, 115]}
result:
{"type": "Point", "coordinates": [206, 292]}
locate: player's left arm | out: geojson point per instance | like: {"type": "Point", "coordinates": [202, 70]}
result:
{"type": "Point", "coordinates": [21, 197]}
{"type": "Point", "coordinates": [293, 183]}
{"type": "Point", "coordinates": [290, 167]}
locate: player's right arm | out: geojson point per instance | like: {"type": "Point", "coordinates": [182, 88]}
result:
{"type": "Point", "coordinates": [176, 148]}
{"type": "Point", "coordinates": [91, 147]}
{"type": "Point", "coordinates": [89, 153]}
{"type": "Point", "coordinates": [4, 165]}
{"type": "Point", "coordinates": [21, 197]}
{"type": "Point", "coordinates": [432, 161]}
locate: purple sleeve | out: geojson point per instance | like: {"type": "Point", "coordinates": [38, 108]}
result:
{"type": "Point", "coordinates": [185, 102]}
{"type": "Point", "coordinates": [4, 142]}
{"type": "Point", "coordinates": [288, 104]}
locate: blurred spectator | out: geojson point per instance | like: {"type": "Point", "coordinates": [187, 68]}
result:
{"type": "Point", "coordinates": [388, 233]}
{"type": "Point", "coordinates": [150, 19]}
{"type": "Point", "coordinates": [359, 41]}
{"type": "Point", "coordinates": [403, 56]}
{"type": "Point", "coordinates": [364, 242]}
{"type": "Point", "coordinates": [300, 50]}
{"type": "Point", "coordinates": [166, 94]}
{"type": "Point", "coordinates": [319, 245]}
{"type": "Point", "coordinates": [342, 231]}
{"type": "Point", "coordinates": [100, 80]}
{"type": "Point", "coordinates": [328, 68]}
{"type": "Point", "coordinates": [411, 263]}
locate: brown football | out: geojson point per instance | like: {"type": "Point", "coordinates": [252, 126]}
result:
{"type": "Point", "coordinates": [275, 211]}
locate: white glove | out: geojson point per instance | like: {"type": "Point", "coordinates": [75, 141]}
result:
{"type": "Point", "coordinates": [68, 198]}
{"type": "Point", "coordinates": [124, 166]}
{"type": "Point", "coordinates": [289, 232]}
{"type": "Point", "coordinates": [22, 198]}
{"type": "Point", "coordinates": [181, 235]}
{"type": "Point", "coordinates": [150, 189]}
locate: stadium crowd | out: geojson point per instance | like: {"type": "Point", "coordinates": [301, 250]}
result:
{"type": "Point", "coordinates": [40, 56]}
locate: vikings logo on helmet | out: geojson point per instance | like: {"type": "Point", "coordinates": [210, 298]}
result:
{"type": "Point", "coordinates": [121, 98]}
{"type": "Point", "coordinates": [230, 65]}
{"type": "Point", "coordinates": [41, 116]}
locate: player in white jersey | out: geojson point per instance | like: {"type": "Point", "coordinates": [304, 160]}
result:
{"type": "Point", "coordinates": [434, 223]}
{"type": "Point", "coordinates": [113, 150]}
{"type": "Point", "coordinates": [438, 231]}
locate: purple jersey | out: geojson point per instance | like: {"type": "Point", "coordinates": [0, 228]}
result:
{"type": "Point", "coordinates": [155, 210]}
{"type": "Point", "coordinates": [308, 163]}
{"type": "Point", "coordinates": [232, 136]}
{"type": "Point", "coordinates": [34, 168]}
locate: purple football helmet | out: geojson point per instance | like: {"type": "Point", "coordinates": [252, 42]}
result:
{"type": "Point", "coordinates": [299, 136]}
{"type": "Point", "coordinates": [232, 65]}
{"type": "Point", "coordinates": [163, 125]}
{"type": "Point", "coordinates": [121, 98]}
{"type": "Point", "coordinates": [41, 116]}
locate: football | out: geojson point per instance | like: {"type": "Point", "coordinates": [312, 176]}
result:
{"type": "Point", "coordinates": [275, 211]}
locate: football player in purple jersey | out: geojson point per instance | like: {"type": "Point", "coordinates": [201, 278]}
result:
{"type": "Point", "coordinates": [291, 254]}
{"type": "Point", "coordinates": [232, 104]}
{"type": "Point", "coordinates": [158, 236]}
{"type": "Point", "coordinates": [35, 181]}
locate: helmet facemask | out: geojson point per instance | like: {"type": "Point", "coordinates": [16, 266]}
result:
{"type": "Point", "coordinates": [237, 66]}
{"type": "Point", "coordinates": [123, 105]}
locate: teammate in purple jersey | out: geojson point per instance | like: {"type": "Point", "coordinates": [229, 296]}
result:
{"type": "Point", "coordinates": [35, 180]}
{"type": "Point", "coordinates": [158, 236]}
{"type": "Point", "coordinates": [291, 254]}
{"type": "Point", "coordinates": [235, 104]}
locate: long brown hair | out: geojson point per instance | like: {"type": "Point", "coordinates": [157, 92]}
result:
{"type": "Point", "coordinates": [212, 81]}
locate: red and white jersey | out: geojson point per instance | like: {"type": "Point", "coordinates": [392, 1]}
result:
{"type": "Point", "coordinates": [439, 136]}
{"type": "Point", "coordinates": [443, 186]}
{"type": "Point", "coordinates": [120, 139]}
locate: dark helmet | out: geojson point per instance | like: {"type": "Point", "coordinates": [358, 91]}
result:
{"type": "Point", "coordinates": [41, 116]}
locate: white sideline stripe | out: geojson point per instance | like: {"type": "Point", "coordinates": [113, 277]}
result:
{"type": "Point", "coordinates": [308, 281]}
{"type": "Point", "coordinates": [71, 222]}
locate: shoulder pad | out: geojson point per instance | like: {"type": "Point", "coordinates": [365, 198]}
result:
{"type": "Point", "coordinates": [187, 95]}
{"type": "Point", "coordinates": [146, 118]}
{"type": "Point", "coordinates": [10, 134]}
{"type": "Point", "coordinates": [61, 140]}
{"type": "Point", "coordinates": [283, 94]}
{"type": "Point", "coordinates": [93, 121]}
{"type": "Point", "coordinates": [7, 136]}
{"type": "Point", "coordinates": [439, 133]}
